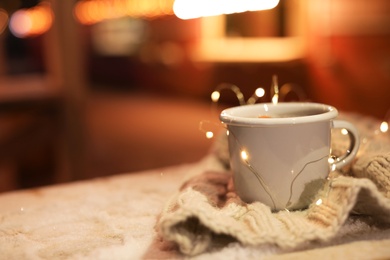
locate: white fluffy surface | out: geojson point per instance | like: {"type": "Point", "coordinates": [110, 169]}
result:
{"type": "Point", "coordinates": [115, 217]}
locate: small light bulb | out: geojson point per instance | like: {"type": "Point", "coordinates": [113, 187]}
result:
{"type": "Point", "coordinates": [209, 134]}
{"type": "Point", "coordinates": [260, 92]}
{"type": "Point", "coordinates": [215, 96]}
{"type": "Point", "coordinates": [384, 127]}
{"type": "Point", "coordinates": [344, 131]}
{"type": "Point", "coordinates": [244, 155]}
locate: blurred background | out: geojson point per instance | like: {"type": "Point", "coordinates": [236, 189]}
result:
{"type": "Point", "coordinates": [92, 88]}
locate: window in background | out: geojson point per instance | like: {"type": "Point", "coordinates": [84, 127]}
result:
{"type": "Point", "coordinates": [275, 35]}
{"type": "Point", "coordinates": [118, 37]}
{"type": "Point", "coordinates": [266, 23]}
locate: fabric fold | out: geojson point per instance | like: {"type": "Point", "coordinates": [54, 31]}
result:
{"type": "Point", "coordinates": [206, 209]}
{"type": "Point", "coordinates": [191, 219]}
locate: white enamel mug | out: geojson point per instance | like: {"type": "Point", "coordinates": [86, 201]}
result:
{"type": "Point", "coordinates": [280, 153]}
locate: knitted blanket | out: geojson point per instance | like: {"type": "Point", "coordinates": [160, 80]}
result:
{"type": "Point", "coordinates": [206, 213]}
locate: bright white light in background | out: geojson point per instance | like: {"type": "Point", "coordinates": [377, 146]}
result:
{"type": "Point", "coordinates": [189, 9]}
{"type": "Point", "coordinates": [31, 21]}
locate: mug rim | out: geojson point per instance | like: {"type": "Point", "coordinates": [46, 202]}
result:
{"type": "Point", "coordinates": [231, 116]}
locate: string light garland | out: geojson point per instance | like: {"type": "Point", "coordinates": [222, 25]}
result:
{"type": "Point", "coordinates": [259, 93]}
{"type": "Point", "coordinates": [279, 95]}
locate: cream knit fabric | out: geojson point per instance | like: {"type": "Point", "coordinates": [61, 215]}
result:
{"type": "Point", "coordinates": [206, 211]}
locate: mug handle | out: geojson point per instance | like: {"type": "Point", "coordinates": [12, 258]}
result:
{"type": "Point", "coordinates": [354, 143]}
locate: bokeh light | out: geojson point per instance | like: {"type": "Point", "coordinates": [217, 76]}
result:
{"type": "Point", "coordinates": [31, 21]}
{"type": "Point", "coordinates": [93, 11]}
{"type": "Point", "coordinates": [244, 155]}
{"type": "Point", "coordinates": [260, 92]}
{"type": "Point", "coordinates": [189, 9]}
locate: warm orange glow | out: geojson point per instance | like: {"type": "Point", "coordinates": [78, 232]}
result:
{"type": "Point", "coordinates": [3, 20]}
{"type": "Point", "coordinates": [94, 11]}
{"type": "Point", "coordinates": [31, 21]}
{"type": "Point", "coordinates": [189, 9]}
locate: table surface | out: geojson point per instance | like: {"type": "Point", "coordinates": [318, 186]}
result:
{"type": "Point", "coordinates": [102, 218]}
{"type": "Point", "coordinates": [115, 218]}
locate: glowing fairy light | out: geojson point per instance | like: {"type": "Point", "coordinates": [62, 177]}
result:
{"type": "Point", "coordinates": [209, 128]}
{"type": "Point", "coordinates": [279, 94]}
{"type": "Point", "coordinates": [344, 131]}
{"type": "Point", "coordinates": [275, 90]}
{"type": "Point", "coordinates": [275, 99]}
{"type": "Point", "coordinates": [331, 160]}
{"type": "Point", "coordinates": [244, 155]}
{"type": "Point", "coordinates": [215, 96]}
{"type": "Point", "coordinates": [209, 134]}
{"type": "Point", "coordinates": [384, 127]}
{"type": "Point", "coordinates": [260, 92]}
{"type": "Point", "coordinates": [225, 86]}
{"type": "Point", "coordinates": [245, 158]}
